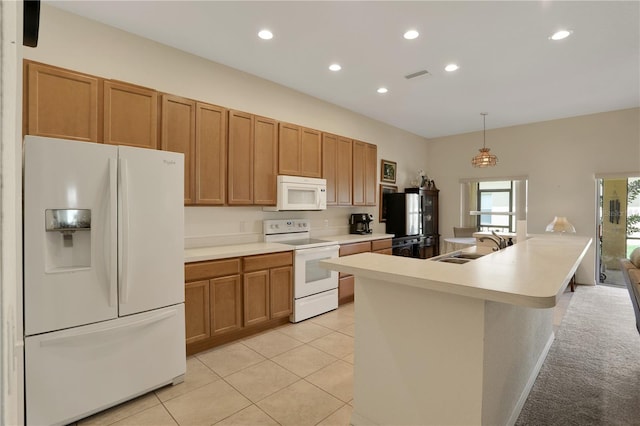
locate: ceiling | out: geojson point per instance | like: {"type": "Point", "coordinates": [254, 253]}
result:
{"type": "Point", "coordinates": [508, 66]}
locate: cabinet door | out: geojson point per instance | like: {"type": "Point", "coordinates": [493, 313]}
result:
{"type": "Point", "coordinates": [226, 304]}
{"type": "Point", "coordinates": [61, 103]}
{"type": "Point", "coordinates": [311, 153]}
{"type": "Point", "coordinates": [240, 175]}
{"type": "Point", "coordinates": [370, 175]}
{"type": "Point", "coordinates": [281, 291]}
{"type": "Point", "coordinates": [346, 286]}
{"type": "Point", "coordinates": [265, 164]}
{"type": "Point", "coordinates": [289, 149]}
{"type": "Point", "coordinates": [359, 159]}
{"type": "Point", "coordinates": [211, 155]}
{"type": "Point", "coordinates": [130, 115]}
{"type": "Point", "coordinates": [344, 171]}
{"type": "Point", "coordinates": [256, 297]}
{"type": "Point", "coordinates": [178, 135]}
{"type": "Point", "coordinates": [330, 167]}
{"type": "Point", "coordinates": [196, 308]}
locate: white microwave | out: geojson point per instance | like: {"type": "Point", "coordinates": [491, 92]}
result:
{"type": "Point", "coordinates": [300, 193]}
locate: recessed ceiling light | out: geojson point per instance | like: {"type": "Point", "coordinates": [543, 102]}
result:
{"type": "Point", "coordinates": [560, 35]}
{"type": "Point", "coordinates": [382, 90]}
{"type": "Point", "coordinates": [335, 67]}
{"type": "Point", "coordinates": [265, 34]}
{"type": "Point", "coordinates": [451, 67]}
{"type": "Point", "coordinates": [411, 34]}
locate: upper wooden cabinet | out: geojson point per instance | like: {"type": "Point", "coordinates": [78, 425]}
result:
{"type": "Point", "coordinates": [299, 151]}
{"type": "Point", "coordinates": [265, 161]}
{"type": "Point", "coordinates": [365, 159]}
{"type": "Point", "coordinates": [211, 154]}
{"type": "Point", "coordinates": [253, 151]}
{"type": "Point", "coordinates": [178, 135]}
{"type": "Point", "coordinates": [197, 130]}
{"type": "Point", "coordinates": [240, 174]}
{"type": "Point", "coordinates": [61, 103]}
{"type": "Point", "coordinates": [370, 174]}
{"type": "Point", "coordinates": [130, 115]}
{"type": "Point", "coordinates": [337, 168]}
{"type": "Point", "coordinates": [330, 166]}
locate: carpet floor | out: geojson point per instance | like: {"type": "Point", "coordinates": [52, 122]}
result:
{"type": "Point", "coordinates": [592, 373]}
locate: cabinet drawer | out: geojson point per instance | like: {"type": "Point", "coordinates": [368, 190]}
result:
{"type": "Point", "coordinates": [211, 269]}
{"type": "Point", "coordinates": [380, 244]}
{"type": "Point", "coordinates": [384, 251]}
{"type": "Point", "coordinates": [355, 248]}
{"type": "Point", "coordinates": [267, 261]}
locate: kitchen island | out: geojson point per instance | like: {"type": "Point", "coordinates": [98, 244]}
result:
{"type": "Point", "coordinates": [442, 343]}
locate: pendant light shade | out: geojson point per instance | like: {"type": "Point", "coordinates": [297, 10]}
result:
{"type": "Point", "coordinates": [560, 224]}
{"type": "Point", "coordinates": [485, 158]}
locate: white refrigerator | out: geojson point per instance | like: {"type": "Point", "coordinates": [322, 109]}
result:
{"type": "Point", "coordinates": [103, 276]}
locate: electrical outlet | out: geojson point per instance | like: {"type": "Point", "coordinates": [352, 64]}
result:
{"type": "Point", "coordinates": [326, 223]}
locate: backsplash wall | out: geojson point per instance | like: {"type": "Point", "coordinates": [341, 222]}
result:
{"type": "Point", "coordinates": [213, 226]}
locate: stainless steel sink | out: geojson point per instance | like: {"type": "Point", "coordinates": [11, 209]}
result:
{"type": "Point", "coordinates": [469, 255]}
{"type": "Point", "coordinates": [454, 260]}
{"type": "Point", "coordinates": [458, 257]}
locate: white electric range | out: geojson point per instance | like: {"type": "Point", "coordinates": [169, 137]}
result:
{"type": "Point", "coordinates": [315, 289]}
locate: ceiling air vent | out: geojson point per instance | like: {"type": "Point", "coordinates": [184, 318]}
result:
{"type": "Point", "coordinates": [416, 74]}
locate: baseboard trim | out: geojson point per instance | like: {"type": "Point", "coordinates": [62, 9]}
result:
{"type": "Point", "coordinates": [532, 379]}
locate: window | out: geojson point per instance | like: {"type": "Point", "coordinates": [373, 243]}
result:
{"type": "Point", "coordinates": [494, 203]}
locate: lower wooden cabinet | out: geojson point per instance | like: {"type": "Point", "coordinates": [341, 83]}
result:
{"type": "Point", "coordinates": [281, 291]}
{"type": "Point", "coordinates": [256, 297]}
{"type": "Point", "coordinates": [226, 304]}
{"type": "Point", "coordinates": [233, 298]}
{"type": "Point", "coordinates": [381, 246]}
{"type": "Point", "coordinates": [212, 307]}
{"type": "Point", "coordinates": [196, 301]}
{"type": "Point", "coordinates": [268, 292]}
{"type": "Point", "coordinates": [346, 282]}
{"type": "Point", "coordinates": [346, 288]}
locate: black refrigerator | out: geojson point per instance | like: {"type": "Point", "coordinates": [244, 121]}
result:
{"type": "Point", "coordinates": [404, 220]}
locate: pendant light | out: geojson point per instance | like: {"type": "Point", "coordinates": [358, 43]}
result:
{"type": "Point", "coordinates": [484, 159]}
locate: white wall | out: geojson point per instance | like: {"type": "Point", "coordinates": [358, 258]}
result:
{"type": "Point", "coordinates": [69, 41]}
{"type": "Point", "coordinates": [560, 158]}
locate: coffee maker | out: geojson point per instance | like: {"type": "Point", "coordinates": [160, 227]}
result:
{"type": "Point", "coordinates": [359, 223]}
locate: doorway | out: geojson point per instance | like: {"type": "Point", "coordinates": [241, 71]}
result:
{"type": "Point", "coordinates": [618, 225]}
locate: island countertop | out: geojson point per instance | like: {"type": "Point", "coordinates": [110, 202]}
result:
{"type": "Point", "coordinates": [532, 273]}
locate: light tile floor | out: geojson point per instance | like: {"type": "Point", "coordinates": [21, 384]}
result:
{"type": "Point", "coordinates": [297, 374]}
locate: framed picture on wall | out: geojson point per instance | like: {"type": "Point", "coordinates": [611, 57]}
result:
{"type": "Point", "coordinates": [385, 189]}
{"type": "Point", "coordinates": [388, 171]}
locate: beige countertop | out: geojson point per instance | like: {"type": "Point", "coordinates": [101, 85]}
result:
{"type": "Point", "coordinates": [237, 250]}
{"type": "Point", "coordinates": [532, 273]}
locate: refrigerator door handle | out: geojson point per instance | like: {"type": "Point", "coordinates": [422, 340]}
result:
{"type": "Point", "coordinates": [124, 263]}
{"type": "Point", "coordinates": [113, 232]}
{"type": "Point", "coordinates": [99, 334]}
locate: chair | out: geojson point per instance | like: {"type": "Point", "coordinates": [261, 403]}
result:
{"type": "Point", "coordinates": [464, 232]}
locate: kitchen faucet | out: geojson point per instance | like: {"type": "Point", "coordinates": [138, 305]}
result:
{"type": "Point", "coordinates": [500, 242]}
